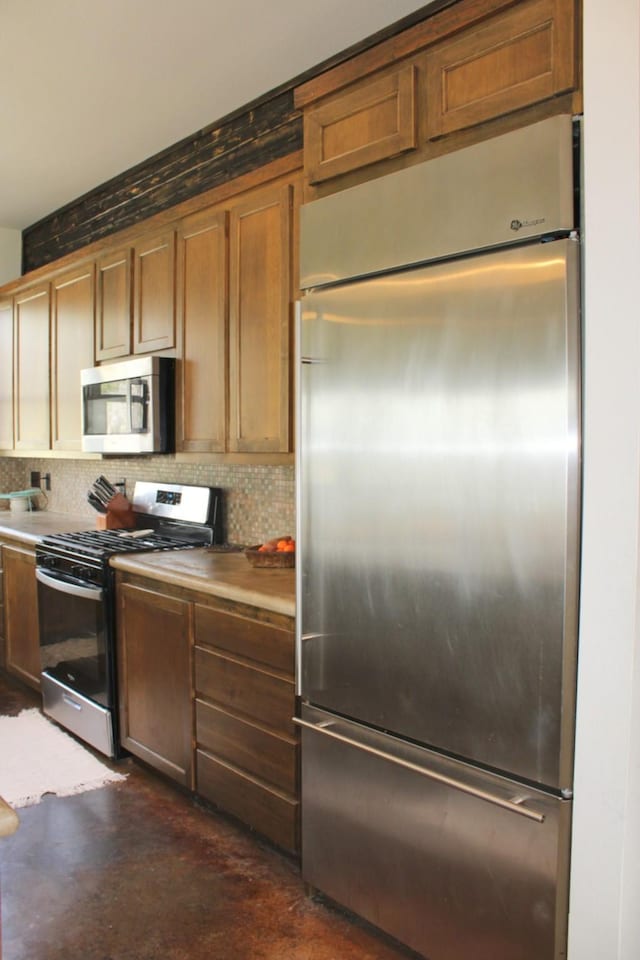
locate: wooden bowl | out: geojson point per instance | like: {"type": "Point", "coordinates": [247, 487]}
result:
{"type": "Point", "coordinates": [274, 560]}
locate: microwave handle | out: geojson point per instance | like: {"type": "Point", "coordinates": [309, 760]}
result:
{"type": "Point", "coordinates": [142, 400]}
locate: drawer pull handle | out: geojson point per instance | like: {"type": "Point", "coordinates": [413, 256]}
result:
{"type": "Point", "coordinates": [71, 703]}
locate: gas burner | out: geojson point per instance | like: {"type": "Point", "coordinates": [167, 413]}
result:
{"type": "Point", "coordinates": [101, 544]}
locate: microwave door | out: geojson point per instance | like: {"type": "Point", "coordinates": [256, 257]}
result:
{"type": "Point", "coordinates": [106, 408]}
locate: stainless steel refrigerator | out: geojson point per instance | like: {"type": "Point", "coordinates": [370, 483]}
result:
{"type": "Point", "coordinates": [438, 529]}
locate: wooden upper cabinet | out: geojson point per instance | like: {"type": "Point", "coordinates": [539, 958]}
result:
{"type": "Point", "coordinates": [202, 332]}
{"type": "Point", "coordinates": [371, 121]}
{"type": "Point", "coordinates": [260, 233]}
{"type": "Point", "coordinates": [519, 57]}
{"type": "Point", "coordinates": [154, 275]}
{"type": "Point", "coordinates": [113, 305]}
{"type": "Point", "coordinates": [6, 375]}
{"type": "Point", "coordinates": [72, 324]}
{"type": "Point", "coordinates": [31, 369]}
{"type": "Point", "coordinates": [473, 69]}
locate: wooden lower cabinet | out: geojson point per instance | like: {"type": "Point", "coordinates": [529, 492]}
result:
{"type": "Point", "coordinates": [207, 694]}
{"type": "Point", "coordinates": [154, 675]}
{"type": "Point", "coordinates": [270, 812]}
{"type": "Point", "coordinates": [247, 745]}
{"type": "Point", "coordinates": [21, 631]}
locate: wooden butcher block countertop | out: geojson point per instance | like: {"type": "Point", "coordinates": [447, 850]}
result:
{"type": "Point", "coordinates": [31, 526]}
{"type": "Point", "coordinates": [227, 575]}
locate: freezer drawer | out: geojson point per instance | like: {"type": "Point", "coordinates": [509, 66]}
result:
{"type": "Point", "coordinates": [464, 865]}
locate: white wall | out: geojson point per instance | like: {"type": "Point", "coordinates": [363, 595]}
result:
{"type": "Point", "coordinates": [10, 254]}
{"type": "Point", "coordinates": [605, 884]}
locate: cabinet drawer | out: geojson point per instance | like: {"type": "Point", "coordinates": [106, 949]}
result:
{"type": "Point", "coordinates": [245, 745]}
{"type": "Point", "coordinates": [520, 57]}
{"type": "Point", "coordinates": [266, 810]}
{"type": "Point", "coordinates": [246, 690]}
{"type": "Point", "coordinates": [360, 126]}
{"type": "Point", "coordinates": [263, 642]}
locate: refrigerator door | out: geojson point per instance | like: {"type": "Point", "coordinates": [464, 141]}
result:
{"type": "Point", "coordinates": [439, 505]}
{"type": "Point", "coordinates": [449, 860]}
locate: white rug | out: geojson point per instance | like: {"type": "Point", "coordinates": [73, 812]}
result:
{"type": "Point", "coordinates": [37, 757]}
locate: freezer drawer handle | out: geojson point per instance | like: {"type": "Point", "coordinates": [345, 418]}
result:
{"type": "Point", "coordinates": [515, 805]}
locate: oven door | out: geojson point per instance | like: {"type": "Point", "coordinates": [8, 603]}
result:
{"type": "Point", "coordinates": [77, 657]}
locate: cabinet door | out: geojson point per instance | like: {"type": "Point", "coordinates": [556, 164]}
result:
{"type": "Point", "coordinates": [154, 293]}
{"type": "Point", "coordinates": [6, 375]}
{"type": "Point", "coordinates": [154, 672]}
{"type": "Point", "coordinates": [260, 322]}
{"type": "Point", "coordinates": [22, 636]}
{"type": "Point", "coordinates": [113, 305]}
{"type": "Point", "coordinates": [202, 324]}
{"type": "Point", "coordinates": [72, 321]}
{"type": "Point", "coordinates": [373, 120]}
{"type": "Point", "coordinates": [521, 56]}
{"type": "Point", "coordinates": [31, 369]}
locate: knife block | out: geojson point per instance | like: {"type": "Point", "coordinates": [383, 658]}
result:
{"type": "Point", "coordinates": [119, 515]}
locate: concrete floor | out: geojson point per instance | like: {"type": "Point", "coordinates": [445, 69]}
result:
{"type": "Point", "coordinates": [137, 871]}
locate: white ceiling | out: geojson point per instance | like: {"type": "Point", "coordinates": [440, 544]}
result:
{"type": "Point", "coordinates": [90, 88]}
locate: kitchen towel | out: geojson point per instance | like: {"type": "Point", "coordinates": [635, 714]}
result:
{"type": "Point", "coordinates": [37, 758]}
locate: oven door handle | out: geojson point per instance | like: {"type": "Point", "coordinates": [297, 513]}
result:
{"type": "Point", "coordinates": [87, 593]}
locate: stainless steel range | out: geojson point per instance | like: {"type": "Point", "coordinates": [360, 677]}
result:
{"type": "Point", "coordinates": [76, 606]}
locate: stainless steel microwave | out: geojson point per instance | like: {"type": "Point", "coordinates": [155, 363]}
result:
{"type": "Point", "coordinates": [128, 407]}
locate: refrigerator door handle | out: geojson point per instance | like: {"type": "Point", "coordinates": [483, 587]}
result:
{"type": "Point", "coordinates": [515, 804]}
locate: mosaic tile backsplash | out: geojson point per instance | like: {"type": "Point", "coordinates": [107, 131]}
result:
{"type": "Point", "coordinates": [259, 501]}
